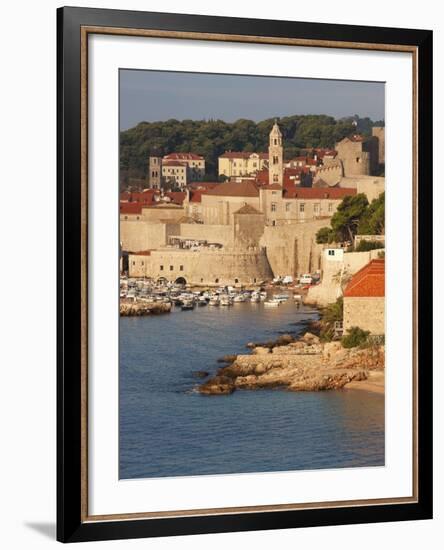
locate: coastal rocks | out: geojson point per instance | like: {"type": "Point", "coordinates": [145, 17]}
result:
{"type": "Point", "coordinates": [259, 350]}
{"type": "Point", "coordinates": [137, 309]}
{"type": "Point", "coordinates": [219, 385]}
{"type": "Point", "coordinates": [227, 359]}
{"type": "Point", "coordinates": [310, 338]}
{"type": "Point", "coordinates": [304, 365]}
{"type": "Point", "coordinates": [332, 380]}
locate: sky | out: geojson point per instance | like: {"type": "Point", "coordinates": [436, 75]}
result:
{"type": "Point", "coordinates": [160, 95]}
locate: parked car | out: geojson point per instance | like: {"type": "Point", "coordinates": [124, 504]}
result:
{"type": "Point", "coordinates": [306, 279]}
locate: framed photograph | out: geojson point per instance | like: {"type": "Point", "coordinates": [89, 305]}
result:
{"type": "Point", "coordinates": [244, 274]}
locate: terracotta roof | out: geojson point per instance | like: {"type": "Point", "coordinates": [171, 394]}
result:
{"type": "Point", "coordinates": [245, 188]}
{"type": "Point", "coordinates": [130, 208]}
{"type": "Point", "coordinates": [196, 196]}
{"type": "Point", "coordinates": [177, 197]}
{"type": "Point", "coordinates": [334, 193]}
{"type": "Point", "coordinates": [174, 163]}
{"type": "Point", "coordinates": [202, 184]}
{"type": "Point", "coordinates": [242, 155]}
{"type": "Point", "coordinates": [368, 281]}
{"type": "Point", "coordinates": [273, 186]}
{"type": "Point", "coordinates": [247, 209]}
{"type": "Point", "coordinates": [183, 156]}
{"type": "Point", "coordinates": [142, 253]}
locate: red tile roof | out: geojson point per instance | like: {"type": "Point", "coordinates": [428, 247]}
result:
{"type": "Point", "coordinates": [130, 208]}
{"type": "Point", "coordinates": [242, 155]}
{"type": "Point", "coordinates": [196, 196]}
{"type": "Point", "coordinates": [174, 163]}
{"type": "Point", "coordinates": [142, 253]}
{"type": "Point", "coordinates": [244, 188]}
{"type": "Point", "coordinates": [177, 197]}
{"type": "Point", "coordinates": [202, 184]}
{"type": "Point", "coordinates": [334, 193]}
{"type": "Point", "coordinates": [183, 156]}
{"type": "Point", "coordinates": [368, 281]}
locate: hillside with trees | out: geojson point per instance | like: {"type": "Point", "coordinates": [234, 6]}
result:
{"type": "Point", "coordinates": [211, 138]}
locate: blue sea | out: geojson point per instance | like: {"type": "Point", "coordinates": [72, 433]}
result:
{"type": "Point", "coordinates": [167, 429]}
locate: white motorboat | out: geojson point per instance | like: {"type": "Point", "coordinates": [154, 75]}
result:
{"type": "Point", "coordinates": [272, 303]}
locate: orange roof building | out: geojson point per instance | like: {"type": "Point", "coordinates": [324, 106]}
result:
{"type": "Point", "coordinates": [364, 299]}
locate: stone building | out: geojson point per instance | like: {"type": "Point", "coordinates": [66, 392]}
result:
{"type": "Point", "coordinates": [275, 156]}
{"type": "Point", "coordinates": [364, 299]}
{"type": "Point", "coordinates": [175, 172]}
{"type": "Point", "coordinates": [241, 163]}
{"type": "Point", "coordinates": [358, 154]}
{"type": "Point", "coordinates": [155, 172]}
{"type": "Point", "coordinates": [379, 133]}
{"type": "Point", "coordinates": [195, 164]}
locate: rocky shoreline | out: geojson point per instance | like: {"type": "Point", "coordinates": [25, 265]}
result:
{"type": "Point", "coordinates": [305, 364]}
{"type": "Point", "coordinates": [138, 309]}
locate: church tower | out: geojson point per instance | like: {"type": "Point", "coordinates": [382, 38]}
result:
{"type": "Point", "coordinates": [275, 156]}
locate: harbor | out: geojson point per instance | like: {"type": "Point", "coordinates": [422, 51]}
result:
{"type": "Point", "coordinates": [162, 297]}
{"type": "Point", "coordinates": [165, 358]}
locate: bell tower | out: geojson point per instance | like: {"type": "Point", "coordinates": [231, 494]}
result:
{"type": "Point", "coordinates": [275, 156]}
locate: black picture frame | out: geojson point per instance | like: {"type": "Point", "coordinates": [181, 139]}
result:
{"type": "Point", "coordinates": [71, 525]}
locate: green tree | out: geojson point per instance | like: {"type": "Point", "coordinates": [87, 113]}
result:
{"type": "Point", "coordinates": [346, 219]}
{"type": "Point", "coordinates": [373, 220]}
{"type": "Point", "coordinates": [325, 235]}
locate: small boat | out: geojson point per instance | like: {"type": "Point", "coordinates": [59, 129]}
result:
{"type": "Point", "coordinates": [202, 301]}
{"type": "Point", "coordinates": [226, 301]}
{"type": "Point", "coordinates": [272, 303]}
{"type": "Point", "coordinates": [281, 297]}
{"type": "Point", "coordinates": [187, 305]}
{"type": "Point", "coordinates": [240, 298]}
{"type": "Point", "coordinates": [255, 297]}
{"type": "Point", "coordinates": [214, 301]}
{"type": "Point", "coordinates": [263, 296]}
{"type": "Point", "coordinates": [297, 297]}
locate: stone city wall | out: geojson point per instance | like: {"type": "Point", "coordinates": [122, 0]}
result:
{"type": "Point", "coordinates": [292, 249]}
{"type": "Point", "coordinates": [206, 267]}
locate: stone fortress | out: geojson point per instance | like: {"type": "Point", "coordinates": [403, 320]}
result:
{"type": "Point", "coordinates": [258, 224]}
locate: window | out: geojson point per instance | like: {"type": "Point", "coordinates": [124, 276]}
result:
{"type": "Point", "coordinates": [331, 252]}
{"type": "Point", "coordinates": [181, 268]}
{"type": "Point", "coordinates": [316, 208]}
{"type": "Point", "coordinates": [171, 268]}
{"type": "Point", "coordinates": [273, 207]}
{"type": "Point", "coordinates": [134, 263]}
{"type": "Point", "coordinates": [216, 280]}
{"type": "Point", "coordinates": [254, 280]}
{"type": "Point", "coordinates": [287, 207]}
{"type": "Point", "coordinates": [236, 280]}
{"type": "Point", "coordinates": [138, 218]}
{"type": "Point", "coordinates": [142, 263]}
{"type": "Point", "coordinates": [302, 207]}
{"type": "Point", "coordinates": [201, 280]}
{"type": "Point", "coordinates": [275, 141]}
{"type": "Point", "coordinates": [126, 217]}
{"type": "Point", "coordinates": [275, 178]}
{"type": "Point", "coordinates": [161, 268]}
{"type": "Point", "coordinates": [273, 222]}
{"type": "Point", "coordinates": [330, 207]}
{"type": "Point", "coordinates": [275, 159]}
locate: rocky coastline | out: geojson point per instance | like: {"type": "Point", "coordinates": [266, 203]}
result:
{"type": "Point", "coordinates": [304, 364]}
{"type": "Point", "coordinates": [138, 309]}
